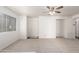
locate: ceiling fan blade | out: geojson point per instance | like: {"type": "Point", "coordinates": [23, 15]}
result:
{"type": "Point", "coordinates": [57, 11]}
{"type": "Point", "coordinates": [48, 7]}
{"type": "Point", "coordinates": [59, 7]}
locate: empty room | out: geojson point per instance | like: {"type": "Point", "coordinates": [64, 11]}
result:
{"type": "Point", "coordinates": [39, 29]}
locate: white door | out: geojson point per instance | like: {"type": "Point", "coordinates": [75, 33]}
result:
{"type": "Point", "coordinates": [77, 28]}
{"type": "Point", "coordinates": [59, 27]}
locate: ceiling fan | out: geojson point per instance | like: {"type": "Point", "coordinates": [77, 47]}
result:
{"type": "Point", "coordinates": [53, 9]}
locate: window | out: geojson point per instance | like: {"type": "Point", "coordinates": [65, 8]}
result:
{"type": "Point", "coordinates": [7, 23]}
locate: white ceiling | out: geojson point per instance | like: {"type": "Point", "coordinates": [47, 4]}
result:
{"type": "Point", "coordinates": [42, 10]}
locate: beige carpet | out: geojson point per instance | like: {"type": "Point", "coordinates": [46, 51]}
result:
{"type": "Point", "coordinates": [58, 45]}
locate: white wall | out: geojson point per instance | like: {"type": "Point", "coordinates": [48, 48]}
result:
{"type": "Point", "coordinates": [33, 26]}
{"type": "Point", "coordinates": [7, 38]}
{"type": "Point", "coordinates": [23, 27]}
{"type": "Point", "coordinates": [47, 27]}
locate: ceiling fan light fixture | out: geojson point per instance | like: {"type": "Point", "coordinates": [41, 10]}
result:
{"type": "Point", "coordinates": [51, 13]}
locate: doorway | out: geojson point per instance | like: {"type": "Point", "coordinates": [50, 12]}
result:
{"type": "Point", "coordinates": [59, 28]}
{"type": "Point", "coordinates": [77, 28]}
{"type": "Point", "coordinates": [32, 28]}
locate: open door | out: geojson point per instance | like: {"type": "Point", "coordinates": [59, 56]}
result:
{"type": "Point", "coordinates": [77, 28]}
